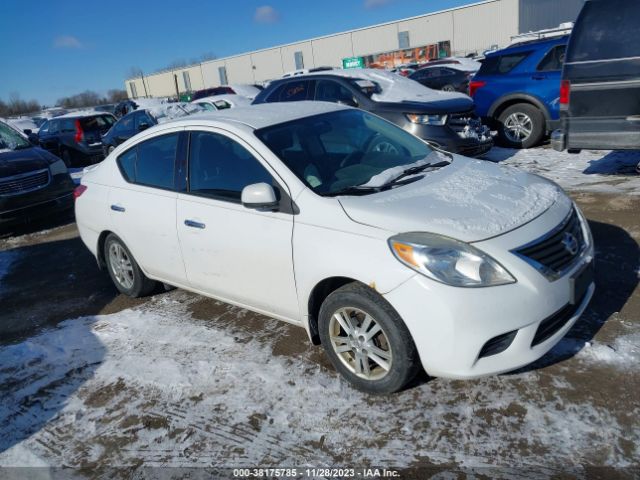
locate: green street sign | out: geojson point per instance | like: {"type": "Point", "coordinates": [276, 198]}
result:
{"type": "Point", "coordinates": [353, 62]}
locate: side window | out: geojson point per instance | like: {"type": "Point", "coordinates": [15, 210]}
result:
{"type": "Point", "coordinates": [444, 72]}
{"type": "Point", "coordinates": [125, 124]}
{"type": "Point", "coordinates": [501, 64]}
{"type": "Point", "coordinates": [330, 91]}
{"type": "Point", "coordinates": [142, 118]}
{"type": "Point", "coordinates": [156, 161]}
{"type": "Point", "coordinates": [44, 128]}
{"type": "Point", "coordinates": [53, 126]}
{"type": "Point", "coordinates": [127, 164]}
{"type": "Point", "coordinates": [297, 91]}
{"type": "Point", "coordinates": [553, 60]}
{"type": "Point", "coordinates": [151, 163]}
{"type": "Point", "coordinates": [67, 125]}
{"type": "Point", "coordinates": [220, 167]}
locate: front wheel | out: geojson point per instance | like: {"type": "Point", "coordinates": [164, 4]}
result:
{"type": "Point", "coordinates": [366, 340]}
{"type": "Point", "coordinates": [448, 88]}
{"type": "Point", "coordinates": [124, 271]}
{"type": "Point", "coordinates": [521, 126]}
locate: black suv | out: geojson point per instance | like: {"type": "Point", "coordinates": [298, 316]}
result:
{"type": "Point", "coordinates": [600, 88]}
{"type": "Point", "coordinates": [446, 120]}
{"type": "Point", "coordinates": [76, 138]}
{"type": "Point", "coordinates": [33, 182]}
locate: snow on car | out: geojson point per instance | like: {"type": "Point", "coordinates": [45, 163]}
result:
{"type": "Point", "coordinates": [222, 102]}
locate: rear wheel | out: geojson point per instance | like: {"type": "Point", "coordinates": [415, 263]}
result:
{"type": "Point", "coordinates": [448, 88]}
{"type": "Point", "coordinates": [124, 271]}
{"type": "Point", "coordinates": [521, 126]}
{"type": "Point", "coordinates": [366, 340]}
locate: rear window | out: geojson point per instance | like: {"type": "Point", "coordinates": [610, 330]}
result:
{"type": "Point", "coordinates": [604, 30]}
{"type": "Point", "coordinates": [501, 64]}
{"type": "Point", "coordinates": [99, 122]}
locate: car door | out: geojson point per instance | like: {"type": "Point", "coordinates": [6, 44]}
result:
{"type": "Point", "coordinates": [333, 91]}
{"type": "Point", "coordinates": [143, 206]}
{"type": "Point", "coordinates": [232, 252]}
{"type": "Point", "coordinates": [48, 138]}
{"type": "Point", "coordinates": [547, 79]}
{"type": "Point", "coordinates": [603, 73]}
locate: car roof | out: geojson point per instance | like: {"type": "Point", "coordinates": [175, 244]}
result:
{"type": "Point", "coordinates": [265, 114]}
{"type": "Point", "coordinates": [529, 44]}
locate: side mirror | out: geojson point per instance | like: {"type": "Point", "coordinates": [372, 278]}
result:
{"type": "Point", "coordinates": [143, 126]}
{"type": "Point", "coordinates": [260, 196]}
{"type": "Point", "coordinates": [27, 131]}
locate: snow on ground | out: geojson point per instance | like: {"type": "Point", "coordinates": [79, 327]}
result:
{"type": "Point", "coordinates": [155, 385]}
{"type": "Point", "coordinates": [590, 170]}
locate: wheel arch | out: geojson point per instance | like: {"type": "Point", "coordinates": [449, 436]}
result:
{"type": "Point", "coordinates": [318, 294]}
{"type": "Point", "coordinates": [100, 249]}
{"type": "Point", "coordinates": [507, 101]}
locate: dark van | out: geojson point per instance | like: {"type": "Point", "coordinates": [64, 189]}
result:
{"type": "Point", "coordinates": [600, 88]}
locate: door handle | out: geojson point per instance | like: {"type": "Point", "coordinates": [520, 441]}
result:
{"type": "Point", "coordinates": [117, 208]}
{"type": "Point", "coordinates": [193, 224]}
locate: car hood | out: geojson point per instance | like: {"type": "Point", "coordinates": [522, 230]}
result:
{"type": "Point", "coordinates": [22, 161]}
{"type": "Point", "coordinates": [469, 200]}
{"type": "Point", "coordinates": [457, 104]}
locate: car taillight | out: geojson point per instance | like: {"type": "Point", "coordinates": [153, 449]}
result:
{"type": "Point", "coordinates": [565, 91]}
{"type": "Point", "coordinates": [79, 190]}
{"type": "Point", "coordinates": [79, 132]}
{"type": "Point", "coordinates": [475, 85]}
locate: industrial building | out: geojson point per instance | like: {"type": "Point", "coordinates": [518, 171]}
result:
{"type": "Point", "coordinates": [460, 31]}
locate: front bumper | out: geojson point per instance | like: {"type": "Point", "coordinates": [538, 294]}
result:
{"type": "Point", "coordinates": [449, 140]}
{"type": "Point", "coordinates": [450, 326]}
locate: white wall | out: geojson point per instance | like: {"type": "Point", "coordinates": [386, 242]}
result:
{"type": "Point", "coordinates": [267, 64]}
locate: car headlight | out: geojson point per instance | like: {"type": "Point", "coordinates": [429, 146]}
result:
{"type": "Point", "coordinates": [427, 119]}
{"type": "Point", "coordinates": [58, 167]}
{"type": "Point", "coordinates": [448, 261]}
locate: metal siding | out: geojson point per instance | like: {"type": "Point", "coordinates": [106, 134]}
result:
{"type": "Point", "coordinates": [161, 85]}
{"type": "Point", "coordinates": [375, 40]}
{"type": "Point", "coordinates": [477, 28]}
{"type": "Point", "coordinates": [331, 50]}
{"type": "Point", "coordinates": [268, 65]}
{"type": "Point", "coordinates": [239, 69]}
{"type": "Point", "coordinates": [540, 14]}
{"type": "Point", "coordinates": [288, 61]}
{"type": "Point", "coordinates": [429, 30]}
{"type": "Point", "coordinates": [210, 73]}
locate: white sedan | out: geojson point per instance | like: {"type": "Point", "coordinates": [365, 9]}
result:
{"type": "Point", "coordinates": [222, 102]}
{"type": "Point", "coordinates": [390, 254]}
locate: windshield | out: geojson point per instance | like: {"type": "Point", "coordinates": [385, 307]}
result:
{"type": "Point", "coordinates": [336, 151]}
{"type": "Point", "coordinates": [10, 139]}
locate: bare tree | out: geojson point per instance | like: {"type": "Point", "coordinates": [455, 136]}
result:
{"type": "Point", "coordinates": [115, 95]}
{"type": "Point", "coordinates": [17, 106]}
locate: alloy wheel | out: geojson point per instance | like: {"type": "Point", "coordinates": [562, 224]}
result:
{"type": "Point", "coordinates": [121, 266]}
{"type": "Point", "coordinates": [518, 127]}
{"type": "Point", "coordinates": [360, 343]}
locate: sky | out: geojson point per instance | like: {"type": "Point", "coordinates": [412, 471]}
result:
{"type": "Point", "coordinates": [52, 49]}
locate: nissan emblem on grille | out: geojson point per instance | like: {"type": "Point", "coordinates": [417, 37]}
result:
{"type": "Point", "coordinates": [570, 243]}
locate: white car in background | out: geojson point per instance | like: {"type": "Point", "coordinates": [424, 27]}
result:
{"type": "Point", "coordinates": [222, 102]}
{"type": "Point", "coordinates": [389, 253]}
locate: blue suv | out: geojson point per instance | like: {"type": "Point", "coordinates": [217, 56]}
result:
{"type": "Point", "coordinates": [517, 90]}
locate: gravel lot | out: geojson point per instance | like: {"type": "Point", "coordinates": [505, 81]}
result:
{"type": "Point", "coordinates": [91, 379]}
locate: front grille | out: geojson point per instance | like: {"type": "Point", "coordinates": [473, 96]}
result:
{"type": "Point", "coordinates": [25, 182]}
{"type": "Point", "coordinates": [558, 250]}
{"type": "Point", "coordinates": [497, 344]}
{"type": "Point", "coordinates": [459, 121]}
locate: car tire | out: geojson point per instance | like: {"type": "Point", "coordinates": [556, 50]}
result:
{"type": "Point", "coordinates": [448, 88]}
{"type": "Point", "coordinates": [66, 158]}
{"type": "Point", "coordinates": [357, 354]}
{"type": "Point", "coordinates": [124, 271]}
{"type": "Point", "coordinates": [521, 126]}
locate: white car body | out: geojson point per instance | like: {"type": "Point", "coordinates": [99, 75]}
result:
{"type": "Point", "coordinates": [222, 102]}
{"type": "Point", "coordinates": [271, 261]}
